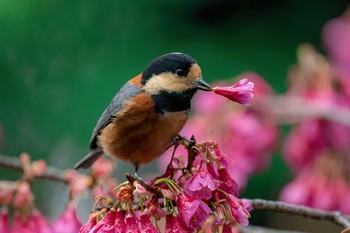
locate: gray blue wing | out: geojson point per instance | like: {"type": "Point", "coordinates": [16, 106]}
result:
{"type": "Point", "coordinates": [126, 92]}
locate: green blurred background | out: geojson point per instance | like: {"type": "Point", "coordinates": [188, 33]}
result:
{"type": "Point", "coordinates": [61, 62]}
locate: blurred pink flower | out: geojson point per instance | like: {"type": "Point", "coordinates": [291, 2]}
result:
{"type": "Point", "coordinates": [41, 224]}
{"type": "Point", "coordinates": [242, 92]}
{"type": "Point", "coordinates": [78, 183]}
{"type": "Point", "coordinates": [21, 224]}
{"type": "Point", "coordinates": [67, 222]}
{"type": "Point", "coordinates": [24, 197]}
{"type": "Point", "coordinates": [7, 189]}
{"type": "Point", "coordinates": [4, 220]}
{"type": "Point", "coordinates": [324, 185]}
{"type": "Point", "coordinates": [336, 39]}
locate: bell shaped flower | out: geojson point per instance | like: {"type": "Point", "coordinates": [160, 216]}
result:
{"type": "Point", "coordinates": [242, 92]}
{"type": "Point", "coordinates": [67, 222]}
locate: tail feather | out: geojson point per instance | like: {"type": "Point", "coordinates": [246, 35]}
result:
{"type": "Point", "coordinates": [89, 159]}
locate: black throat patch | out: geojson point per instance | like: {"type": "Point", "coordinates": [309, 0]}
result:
{"type": "Point", "coordinates": [172, 101]}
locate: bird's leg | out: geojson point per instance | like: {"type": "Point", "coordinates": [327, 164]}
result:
{"type": "Point", "coordinates": [136, 176]}
{"type": "Point", "coordinates": [188, 143]}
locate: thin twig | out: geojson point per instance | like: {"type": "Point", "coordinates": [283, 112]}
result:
{"type": "Point", "coordinates": [299, 210]}
{"type": "Point", "coordinates": [52, 173]}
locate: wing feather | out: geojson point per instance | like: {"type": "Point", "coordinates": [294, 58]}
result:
{"type": "Point", "coordinates": [126, 92]}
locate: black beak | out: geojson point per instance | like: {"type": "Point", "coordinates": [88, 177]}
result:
{"type": "Point", "coordinates": [202, 85]}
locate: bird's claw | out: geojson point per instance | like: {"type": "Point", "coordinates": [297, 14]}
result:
{"type": "Point", "coordinates": [188, 143]}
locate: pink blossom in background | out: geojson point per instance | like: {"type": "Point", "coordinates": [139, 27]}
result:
{"type": "Point", "coordinates": [4, 220]}
{"type": "Point", "coordinates": [246, 136]}
{"type": "Point", "coordinates": [325, 185]}
{"type": "Point", "coordinates": [336, 39]}
{"type": "Point", "coordinates": [318, 149]}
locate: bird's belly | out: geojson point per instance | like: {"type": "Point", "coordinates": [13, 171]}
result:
{"type": "Point", "coordinates": [141, 141]}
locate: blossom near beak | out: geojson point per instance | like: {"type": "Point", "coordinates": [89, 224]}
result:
{"type": "Point", "coordinates": [202, 85]}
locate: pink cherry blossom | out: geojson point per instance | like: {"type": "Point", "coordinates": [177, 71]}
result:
{"type": "Point", "coordinates": [67, 222]}
{"type": "Point", "coordinates": [24, 196]}
{"type": "Point", "coordinates": [336, 37]}
{"type": "Point", "coordinates": [242, 92]}
{"type": "Point", "coordinates": [193, 212]}
{"type": "Point", "coordinates": [173, 225]}
{"type": "Point", "coordinates": [238, 211]}
{"type": "Point", "coordinates": [201, 184]}
{"type": "Point", "coordinates": [146, 225]}
{"type": "Point", "coordinates": [21, 224]}
{"type": "Point", "coordinates": [228, 184]}
{"type": "Point", "coordinates": [106, 224]}
{"type": "Point", "coordinates": [131, 224]}
{"type": "Point", "coordinates": [119, 225]}
{"type": "Point", "coordinates": [40, 222]}
{"type": "Point", "coordinates": [4, 221]}
{"type": "Point", "coordinates": [89, 225]}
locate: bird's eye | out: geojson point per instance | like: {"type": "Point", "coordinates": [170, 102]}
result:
{"type": "Point", "coordinates": [180, 72]}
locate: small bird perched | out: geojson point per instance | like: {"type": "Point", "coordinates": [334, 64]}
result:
{"type": "Point", "coordinates": [148, 112]}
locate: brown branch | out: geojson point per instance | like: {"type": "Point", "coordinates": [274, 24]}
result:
{"type": "Point", "coordinates": [292, 109]}
{"type": "Point", "coordinates": [303, 211]}
{"type": "Point", "coordinates": [52, 173]}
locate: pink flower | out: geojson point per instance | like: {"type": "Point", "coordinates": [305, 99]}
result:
{"type": "Point", "coordinates": [24, 196]}
{"type": "Point", "coordinates": [193, 212]}
{"type": "Point", "coordinates": [201, 184]}
{"type": "Point", "coordinates": [173, 225]}
{"type": "Point", "coordinates": [146, 225]}
{"type": "Point", "coordinates": [228, 184]}
{"type": "Point", "coordinates": [67, 222]}
{"type": "Point", "coordinates": [102, 167]}
{"type": "Point", "coordinates": [23, 225]}
{"type": "Point", "coordinates": [242, 92]}
{"type": "Point", "coordinates": [4, 224]}
{"type": "Point", "coordinates": [119, 225]}
{"type": "Point", "coordinates": [89, 225]}
{"type": "Point", "coordinates": [41, 225]}
{"type": "Point", "coordinates": [77, 183]}
{"type": "Point", "coordinates": [238, 211]}
{"type": "Point", "coordinates": [336, 37]}
{"type": "Point", "coordinates": [7, 189]}
{"type": "Point", "coordinates": [131, 224]}
{"type": "Point", "coordinates": [106, 224]}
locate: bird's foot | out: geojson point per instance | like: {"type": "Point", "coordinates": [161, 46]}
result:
{"type": "Point", "coordinates": [188, 143]}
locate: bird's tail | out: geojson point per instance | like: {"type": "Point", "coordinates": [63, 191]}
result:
{"type": "Point", "coordinates": [89, 159]}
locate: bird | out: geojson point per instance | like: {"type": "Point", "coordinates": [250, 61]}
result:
{"type": "Point", "coordinates": [148, 112]}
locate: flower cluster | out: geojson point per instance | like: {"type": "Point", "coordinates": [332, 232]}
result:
{"type": "Point", "coordinates": [318, 149]}
{"type": "Point", "coordinates": [246, 134]}
{"type": "Point", "coordinates": [191, 192]}
{"type": "Point", "coordinates": [27, 218]}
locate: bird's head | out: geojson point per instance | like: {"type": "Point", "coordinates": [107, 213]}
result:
{"type": "Point", "coordinates": [173, 73]}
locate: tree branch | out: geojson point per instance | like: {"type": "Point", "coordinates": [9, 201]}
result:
{"type": "Point", "coordinates": [290, 109]}
{"type": "Point", "coordinates": [52, 173]}
{"type": "Point", "coordinates": [303, 211]}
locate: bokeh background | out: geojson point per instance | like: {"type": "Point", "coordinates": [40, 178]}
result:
{"type": "Point", "coordinates": [61, 62]}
